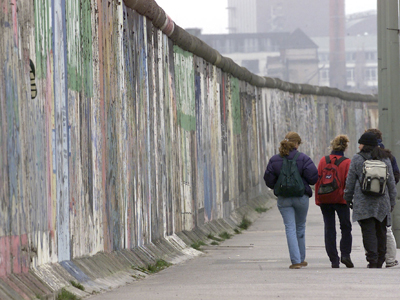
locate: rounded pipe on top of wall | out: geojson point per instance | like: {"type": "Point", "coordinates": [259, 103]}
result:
{"type": "Point", "coordinates": [188, 42]}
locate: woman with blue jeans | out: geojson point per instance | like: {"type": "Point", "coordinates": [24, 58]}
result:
{"type": "Point", "coordinates": [293, 209]}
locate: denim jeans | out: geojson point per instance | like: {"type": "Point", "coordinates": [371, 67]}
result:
{"type": "Point", "coordinates": [294, 213]}
{"type": "Point", "coordinates": [329, 212]}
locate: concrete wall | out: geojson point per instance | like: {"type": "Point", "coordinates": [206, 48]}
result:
{"type": "Point", "coordinates": [131, 139]}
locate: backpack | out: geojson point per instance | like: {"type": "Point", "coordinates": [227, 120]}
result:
{"type": "Point", "coordinates": [329, 187]}
{"type": "Point", "coordinates": [289, 183]}
{"type": "Point", "coordinates": [374, 178]}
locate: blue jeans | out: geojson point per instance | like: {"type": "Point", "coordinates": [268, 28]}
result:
{"type": "Point", "coordinates": [294, 213]}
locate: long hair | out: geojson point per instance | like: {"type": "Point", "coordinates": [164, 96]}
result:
{"type": "Point", "coordinates": [376, 152]}
{"type": "Point", "coordinates": [340, 143]}
{"type": "Point", "coordinates": [289, 143]}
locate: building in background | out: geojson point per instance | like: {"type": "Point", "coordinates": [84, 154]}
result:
{"type": "Point", "coordinates": [297, 61]}
{"type": "Point", "coordinates": [258, 16]}
{"type": "Point", "coordinates": [261, 30]}
{"type": "Point", "coordinates": [361, 54]}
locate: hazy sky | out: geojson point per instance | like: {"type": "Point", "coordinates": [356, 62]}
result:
{"type": "Point", "coordinates": [212, 17]}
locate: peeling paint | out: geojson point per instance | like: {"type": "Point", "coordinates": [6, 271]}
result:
{"type": "Point", "coordinates": [130, 138]}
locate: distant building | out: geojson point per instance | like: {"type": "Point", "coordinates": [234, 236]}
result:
{"type": "Point", "coordinates": [298, 60]}
{"type": "Point", "coordinates": [361, 53]}
{"type": "Point", "coordinates": [288, 56]}
{"type": "Point", "coordinates": [249, 50]}
{"type": "Point", "coordinates": [267, 53]}
{"type": "Point", "coordinates": [258, 16]}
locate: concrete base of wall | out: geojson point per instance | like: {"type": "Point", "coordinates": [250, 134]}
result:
{"type": "Point", "coordinates": [105, 271]}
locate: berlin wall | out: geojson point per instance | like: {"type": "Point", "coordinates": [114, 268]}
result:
{"type": "Point", "coordinates": [115, 131]}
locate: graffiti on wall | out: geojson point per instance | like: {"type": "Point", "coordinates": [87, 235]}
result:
{"type": "Point", "coordinates": [121, 138]}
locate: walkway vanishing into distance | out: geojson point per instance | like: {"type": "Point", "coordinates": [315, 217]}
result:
{"type": "Point", "coordinates": [255, 265]}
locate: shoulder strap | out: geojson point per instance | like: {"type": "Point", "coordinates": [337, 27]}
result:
{"type": "Point", "coordinates": [362, 155]}
{"type": "Point", "coordinates": [327, 159]}
{"type": "Point", "coordinates": [296, 156]}
{"type": "Point", "coordinates": [338, 161]}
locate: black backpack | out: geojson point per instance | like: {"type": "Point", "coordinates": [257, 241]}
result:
{"type": "Point", "coordinates": [290, 183]}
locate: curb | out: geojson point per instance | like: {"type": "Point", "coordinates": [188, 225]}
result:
{"type": "Point", "coordinates": [105, 271]}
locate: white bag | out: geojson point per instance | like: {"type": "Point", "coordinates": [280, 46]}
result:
{"type": "Point", "coordinates": [375, 176]}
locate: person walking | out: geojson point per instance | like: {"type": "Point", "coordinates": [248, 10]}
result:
{"type": "Point", "coordinates": [371, 211]}
{"type": "Point", "coordinates": [391, 245]}
{"type": "Point", "coordinates": [332, 174]}
{"type": "Point", "coordinates": [293, 201]}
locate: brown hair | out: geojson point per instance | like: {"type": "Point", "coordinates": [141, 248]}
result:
{"type": "Point", "coordinates": [289, 143]}
{"type": "Point", "coordinates": [377, 153]}
{"type": "Point", "coordinates": [340, 143]}
{"type": "Point", "coordinates": [375, 131]}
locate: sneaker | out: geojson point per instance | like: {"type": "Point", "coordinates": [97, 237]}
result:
{"type": "Point", "coordinates": [295, 266]}
{"type": "Point", "coordinates": [347, 261]}
{"type": "Point", "coordinates": [392, 264]}
{"type": "Point", "coordinates": [304, 264]}
{"type": "Point", "coordinates": [335, 266]}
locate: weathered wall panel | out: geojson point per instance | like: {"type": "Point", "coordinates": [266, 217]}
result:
{"type": "Point", "coordinates": [130, 138]}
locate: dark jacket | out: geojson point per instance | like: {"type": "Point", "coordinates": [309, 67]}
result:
{"type": "Point", "coordinates": [395, 167]}
{"type": "Point", "coordinates": [307, 169]}
{"type": "Point", "coordinates": [396, 171]}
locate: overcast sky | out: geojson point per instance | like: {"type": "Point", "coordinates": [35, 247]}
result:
{"type": "Point", "coordinates": [212, 16]}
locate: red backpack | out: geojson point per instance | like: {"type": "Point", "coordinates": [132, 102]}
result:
{"type": "Point", "coordinates": [329, 187]}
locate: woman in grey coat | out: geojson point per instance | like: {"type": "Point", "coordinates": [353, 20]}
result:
{"type": "Point", "coordinates": [371, 212]}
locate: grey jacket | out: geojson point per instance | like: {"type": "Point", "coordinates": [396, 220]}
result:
{"type": "Point", "coordinates": [365, 206]}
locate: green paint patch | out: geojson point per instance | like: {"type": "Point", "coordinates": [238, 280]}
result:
{"type": "Point", "coordinates": [236, 106]}
{"type": "Point", "coordinates": [80, 49]}
{"type": "Point", "coordinates": [185, 89]}
{"type": "Point", "coordinates": [198, 244]}
{"type": "Point", "coordinates": [77, 285]}
{"type": "Point", "coordinates": [261, 209]}
{"type": "Point", "coordinates": [66, 295]}
{"type": "Point", "coordinates": [245, 224]}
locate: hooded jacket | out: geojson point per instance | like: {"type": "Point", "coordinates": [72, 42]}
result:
{"type": "Point", "coordinates": [307, 170]}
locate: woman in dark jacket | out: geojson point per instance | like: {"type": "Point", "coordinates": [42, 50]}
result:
{"type": "Point", "coordinates": [371, 212]}
{"type": "Point", "coordinates": [333, 203]}
{"type": "Point", "coordinates": [293, 209]}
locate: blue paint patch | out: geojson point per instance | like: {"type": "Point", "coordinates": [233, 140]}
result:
{"type": "Point", "coordinates": [74, 271]}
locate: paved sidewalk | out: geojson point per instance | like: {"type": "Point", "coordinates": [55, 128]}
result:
{"type": "Point", "coordinates": [255, 265]}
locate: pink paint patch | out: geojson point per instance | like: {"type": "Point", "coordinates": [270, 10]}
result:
{"type": "Point", "coordinates": [16, 288]}
{"type": "Point", "coordinates": [19, 250]}
{"type": "Point", "coordinates": [169, 27]}
{"type": "Point", "coordinates": [25, 259]}
{"type": "Point", "coordinates": [4, 5]}
{"type": "Point", "coordinates": [5, 266]}
{"type": "Point", "coordinates": [15, 21]}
